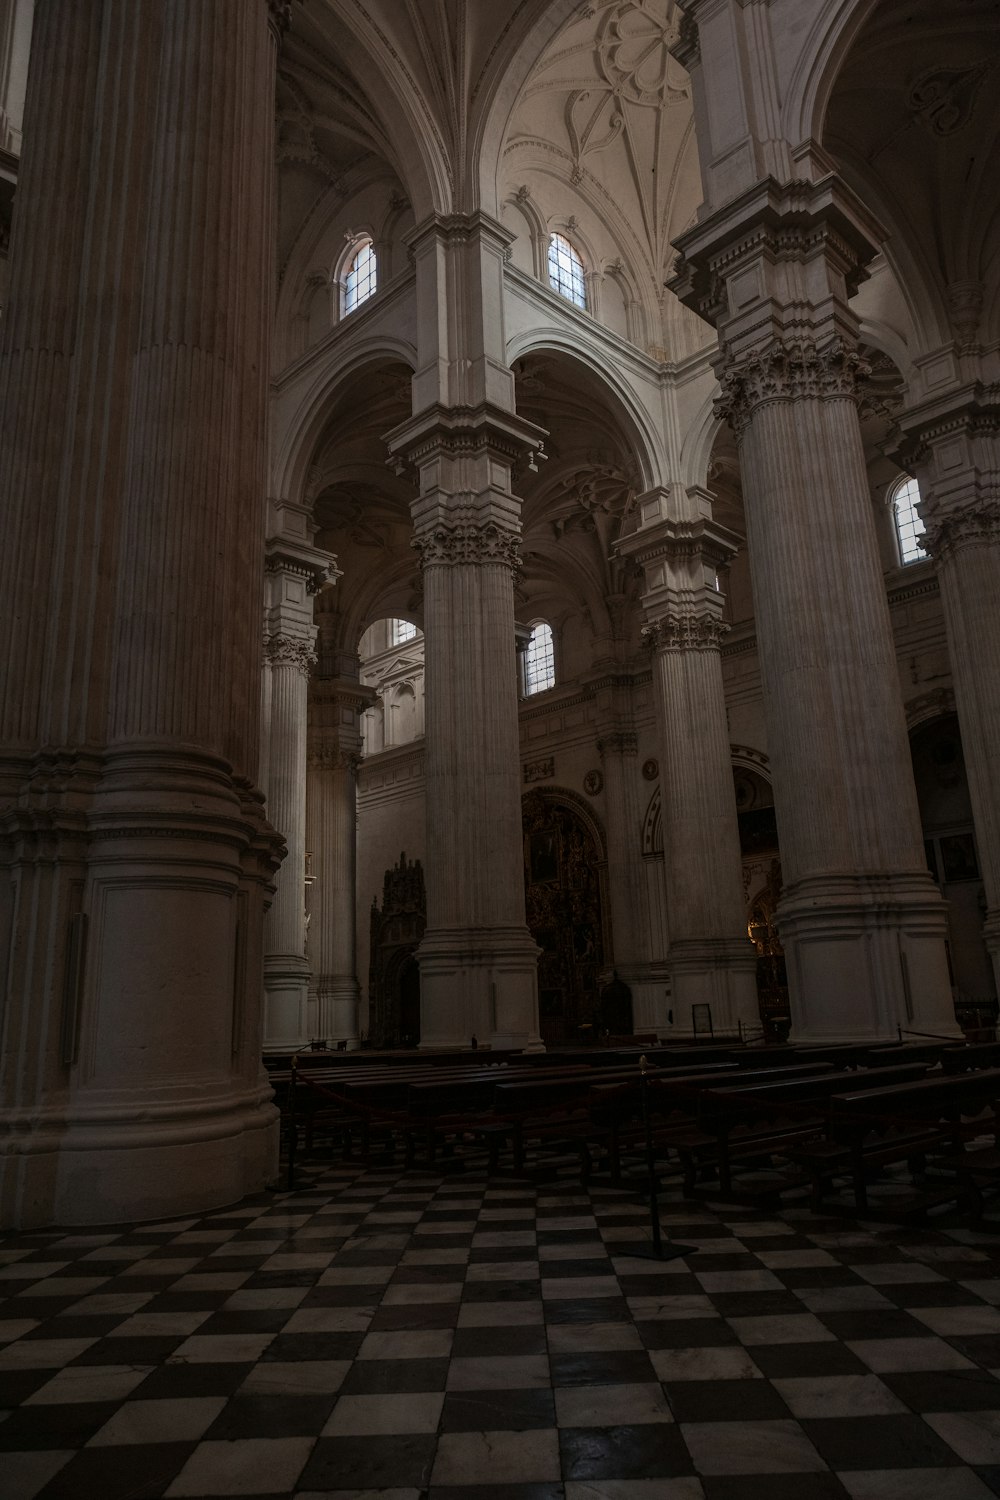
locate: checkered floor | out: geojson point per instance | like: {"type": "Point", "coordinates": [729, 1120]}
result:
{"type": "Point", "coordinates": [427, 1336]}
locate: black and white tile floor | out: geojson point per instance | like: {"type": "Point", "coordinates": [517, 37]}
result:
{"type": "Point", "coordinates": [436, 1337]}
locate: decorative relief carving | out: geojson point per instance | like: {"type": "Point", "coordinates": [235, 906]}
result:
{"type": "Point", "coordinates": [540, 770]}
{"type": "Point", "coordinates": [593, 783]}
{"type": "Point", "coordinates": [944, 98]}
{"type": "Point", "coordinates": [650, 769]}
{"type": "Point", "coordinates": [621, 742]}
{"type": "Point", "coordinates": [685, 633]}
{"type": "Point", "coordinates": [468, 542]}
{"type": "Point", "coordinates": [333, 758]}
{"type": "Point", "coordinates": [974, 526]}
{"type": "Point", "coordinates": [787, 370]}
{"type": "Point", "coordinates": [290, 651]}
{"type": "Point", "coordinates": [634, 57]}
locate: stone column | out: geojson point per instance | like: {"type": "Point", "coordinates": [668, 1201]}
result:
{"type": "Point", "coordinates": [861, 920]}
{"type": "Point", "coordinates": [295, 572]}
{"type": "Point", "coordinates": [953, 446]}
{"type": "Point", "coordinates": [710, 958]}
{"type": "Point", "coordinates": [335, 710]}
{"type": "Point", "coordinates": [478, 962]}
{"type": "Point", "coordinates": [134, 411]}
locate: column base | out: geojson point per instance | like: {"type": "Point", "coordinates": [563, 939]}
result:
{"type": "Point", "coordinates": [718, 972]}
{"type": "Point", "coordinates": [338, 996]}
{"type": "Point", "coordinates": [136, 1161]}
{"type": "Point", "coordinates": [286, 993]}
{"type": "Point", "coordinates": [866, 956]}
{"type": "Point", "coordinates": [479, 982]}
{"type": "Point", "coordinates": [651, 1003]}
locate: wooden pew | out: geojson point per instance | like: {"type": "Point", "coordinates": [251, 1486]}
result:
{"type": "Point", "coordinates": [903, 1122]}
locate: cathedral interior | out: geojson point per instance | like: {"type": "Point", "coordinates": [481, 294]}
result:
{"type": "Point", "coordinates": [500, 514]}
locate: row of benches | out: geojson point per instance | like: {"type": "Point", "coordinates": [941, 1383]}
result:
{"type": "Point", "coordinates": [711, 1119]}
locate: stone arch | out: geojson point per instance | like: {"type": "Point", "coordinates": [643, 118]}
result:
{"type": "Point", "coordinates": [303, 428]}
{"type": "Point", "coordinates": [830, 38]}
{"type": "Point", "coordinates": [639, 429]}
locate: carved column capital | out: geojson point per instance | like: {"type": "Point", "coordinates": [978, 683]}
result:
{"type": "Point", "coordinates": [476, 543]}
{"type": "Point", "coordinates": [289, 651]}
{"type": "Point", "coordinates": [951, 442]}
{"type": "Point", "coordinates": [685, 632]}
{"type": "Point", "coordinates": [324, 756]}
{"type": "Point", "coordinates": [787, 370]}
{"type": "Point", "coordinates": [618, 742]}
{"type": "Point", "coordinates": [973, 526]}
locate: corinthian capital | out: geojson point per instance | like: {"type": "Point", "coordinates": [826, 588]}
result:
{"type": "Point", "coordinates": [289, 651]}
{"type": "Point", "coordinates": [971, 526]}
{"type": "Point", "coordinates": [787, 370]}
{"type": "Point", "coordinates": [673, 632]}
{"type": "Point", "coordinates": [454, 543]}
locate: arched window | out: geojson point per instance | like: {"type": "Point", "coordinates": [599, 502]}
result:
{"type": "Point", "coordinates": [539, 664]}
{"type": "Point", "coordinates": [362, 276]}
{"type": "Point", "coordinates": [909, 526]}
{"type": "Point", "coordinates": [400, 631]}
{"type": "Point", "coordinates": [566, 270]}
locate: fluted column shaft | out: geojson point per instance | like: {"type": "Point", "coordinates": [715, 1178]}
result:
{"type": "Point", "coordinates": [477, 959]}
{"type": "Point", "coordinates": [618, 749]}
{"type": "Point", "coordinates": [138, 359]}
{"type": "Point", "coordinates": [332, 834]}
{"type": "Point", "coordinates": [710, 957]}
{"type": "Point", "coordinates": [286, 971]}
{"type": "Point", "coordinates": [954, 447]}
{"type": "Point", "coordinates": [861, 921]}
{"type": "Point", "coordinates": [295, 572]}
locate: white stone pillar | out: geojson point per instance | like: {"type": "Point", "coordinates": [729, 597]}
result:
{"type": "Point", "coordinates": [861, 921]}
{"type": "Point", "coordinates": [335, 710]}
{"type": "Point", "coordinates": [953, 445]}
{"type": "Point", "coordinates": [711, 959]}
{"type": "Point", "coordinates": [295, 572]}
{"type": "Point", "coordinates": [134, 406]}
{"type": "Point", "coordinates": [478, 962]}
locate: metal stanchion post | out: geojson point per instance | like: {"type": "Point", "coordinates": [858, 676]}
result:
{"type": "Point", "coordinates": [293, 1133]}
{"type": "Point", "coordinates": [659, 1251]}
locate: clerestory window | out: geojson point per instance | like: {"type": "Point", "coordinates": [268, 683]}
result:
{"type": "Point", "coordinates": [566, 270]}
{"type": "Point", "coordinates": [539, 662]}
{"type": "Point", "coordinates": [400, 631]}
{"type": "Point", "coordinates": [362, 277]}
{"type": "Point", "coordinates": [909, 526]}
